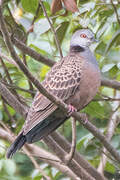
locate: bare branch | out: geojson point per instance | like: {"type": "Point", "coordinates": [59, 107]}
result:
{"type": "Point", "coordinates": [9, 78]}
{"type": "Point", "coordinates": [104, 81]}
{"type": "Point", "coordinates": [34, 19]}
{"type": "Point", "coordinates": [115, 9]}
{"type": "Point", "coordinates": [12, 86]}
{"type": "Point", "coordinates": [31, 52]}
{"type": "Point", "coordinates": [43, 154]}
{"type": "Point", "coordinates": [111, 83]}
{"type": "Point", "coordinates": [12, 100]}
{"type": "Point", "coordinates": [64, 144]}
{"type": "Point", "coordinates": [36, 165]}
{"type": "Point", "coordinates": [78, 170]}
{"type": "Point", "coordinates": [113, 121]}
{"type": "Point", "coordinates": [52, 28]}
{"type": "Point", "coordinates": [8, 59]}
{"type": "Point", "coordinates": [69, 156]}
{"type": "Point", "coordinates": [55, 100]}
{"type": "Point", "coordinates": [16, 106]}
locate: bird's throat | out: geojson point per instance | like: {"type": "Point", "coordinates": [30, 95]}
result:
{"type": "Point", "coordinates": [76, 49]}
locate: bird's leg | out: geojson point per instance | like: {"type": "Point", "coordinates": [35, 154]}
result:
{"type": "Point", "coordinates": [70, 155]}
{"type": "Point", "coordinates": [71, 109]}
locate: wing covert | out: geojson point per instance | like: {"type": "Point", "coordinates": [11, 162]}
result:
{"type": "Point", "coordinates": [62, 81]}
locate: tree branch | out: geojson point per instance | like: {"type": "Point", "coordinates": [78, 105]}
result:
{"type": "Point", "coordinates": [70, 155]}
{"type": "Point", "coordinates": [113, 121]}
{"type": "Point", "coordinates": [115, 9]}
{"type": "Point", "coordinates": [111, 83]}
{"type": "Point", "coordinates": [42, 154]}
{"type": "Point", "coordinates": [12, 100]}
{"type": "Point", "coordinates": [52, 28]}
{"type": "Point", "coordinates": [36, 165]}
{"type": "Point", "coordinates": [55, 100]}
{"type": "Point", "coordinates": [61, 141]}
{"type": "Point", "coordinates": [78, 170]}
{"type": "Point", "coordinates": [27, 50]}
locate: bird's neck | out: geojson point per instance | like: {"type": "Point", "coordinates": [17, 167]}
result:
{"type": "Point", "coordinates": [77, 48]}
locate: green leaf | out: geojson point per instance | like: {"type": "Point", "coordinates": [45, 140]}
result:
{"type": "Point", "coordinates": [9, 166]}
{"type": "Point", "coordinates": [1, 164]}
{"type": "Point", "coordinates": [110, 167]}
{"type": "Point", "coordinates": [112, 41]}
{"type": "Point", "coordinates": [95, 109]}
{"type": "Point", "coordinates": [62, 30]}
{"type": "Point", "coordinates": [30, 5]}
{"type": "Point", "coordinates": [41, 26]}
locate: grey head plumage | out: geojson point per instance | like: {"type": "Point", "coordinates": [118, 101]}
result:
{"type": "Point", "coordinates": [83, 38]}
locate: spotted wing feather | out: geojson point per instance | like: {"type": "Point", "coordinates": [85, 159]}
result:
{"type": "Point", "coordinates": [62, 81]}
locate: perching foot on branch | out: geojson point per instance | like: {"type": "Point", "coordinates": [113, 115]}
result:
{"type": "Point", "coordinates": [70, 155]}
{"type": "Point", "coordinates": [71, 109]}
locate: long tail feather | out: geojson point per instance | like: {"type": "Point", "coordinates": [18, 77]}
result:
{"type": "Point", "coordinates": [18, 143]}
{"type": "Point", "coordinates": [43, 129]}
{"type": "Point", "coordinates": [35, 134]}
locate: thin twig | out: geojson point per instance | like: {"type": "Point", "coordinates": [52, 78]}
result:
{"type": "Point", "coordinates": [36, 164]}
{"type": "Point", "coordinates": [24, 56]}
{"type": "Point", "coordinates": [78, 158]}
{"type": "Point", "coordinates": [12, 86]}
{"type": "Point", "coordinates": [64, 144]}
{"type": "Point", "coordinates": [11, 61]}
{"type": "Point", "coordinates": [12, 100]}
{"type": "Point", "coordinates": [9, 78]}
{"type": "Point", "coordinates": [52, 28]}
{"type": "Point", "coordinates": [69, 156]}
{"type": "Point", "coordinates": [115, 9]}
{"type": "Point", "coordinates": [110, 131]}
{"type": "Point", "coordinates": [27, 50]}
{"type": "Point", "coordinates": [29, 82]}
{"type": "Point", "coordinates": [52, 98]}
{"type": "Point", "coordinates": [38, 152]}
{"type": "Point", "coordinates": [79, 171]}
{"type": "Point", "coordinates": [34, 19]}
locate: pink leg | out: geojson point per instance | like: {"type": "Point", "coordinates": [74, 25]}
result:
{"type": "Point", "coordinates": [71, 109]}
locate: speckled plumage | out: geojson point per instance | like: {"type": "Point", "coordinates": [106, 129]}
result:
{"type": "Point", "coordinates": [75, 80]}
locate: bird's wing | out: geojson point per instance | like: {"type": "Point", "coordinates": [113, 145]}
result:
{"type": "Point", "coordinates": [62, 81]}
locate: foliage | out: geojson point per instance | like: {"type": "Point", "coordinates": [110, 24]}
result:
{"type": "Point", "coordinates": [101, 18]}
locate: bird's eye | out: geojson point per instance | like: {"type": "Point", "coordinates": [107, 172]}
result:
{"type": "Point", "coordinates": [83, 36]}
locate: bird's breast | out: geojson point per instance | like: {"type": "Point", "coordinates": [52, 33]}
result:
{"type": "Point", "coordinates": [88, 87]}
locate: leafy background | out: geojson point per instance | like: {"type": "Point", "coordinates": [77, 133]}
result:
{"type": "Point", "coordinates": [99, 16]}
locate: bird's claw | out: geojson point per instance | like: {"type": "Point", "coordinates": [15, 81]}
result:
{"type": "Point", "coordinates": [71, 109]}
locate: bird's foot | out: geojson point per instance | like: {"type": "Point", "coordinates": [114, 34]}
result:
{"type": "Point", "coordinates": [84, 117]}
{"type": "Point", "coordinates": [71, 109]}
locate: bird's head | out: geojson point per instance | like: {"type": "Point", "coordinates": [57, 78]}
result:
{"type": "Point", "coordinates": [83, 38]}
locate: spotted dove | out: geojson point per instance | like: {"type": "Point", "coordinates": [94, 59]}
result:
{"type": "Point", "coordinates": [75, 79]}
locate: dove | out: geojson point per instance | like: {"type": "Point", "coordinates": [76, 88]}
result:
{"type": "Point", "coordinates": [75, 79]}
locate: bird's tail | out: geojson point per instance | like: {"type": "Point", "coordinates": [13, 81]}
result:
{"type": "Point", "coordinates": [38, 132]}
{"type": "Point", "coordinates": [18, 143]}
